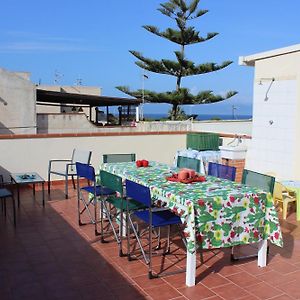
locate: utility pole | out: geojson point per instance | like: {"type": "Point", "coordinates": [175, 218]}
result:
{"type": "Point", "coordinates": [144, 76]}
{"type": "Point", "coordinates": [234, 108]}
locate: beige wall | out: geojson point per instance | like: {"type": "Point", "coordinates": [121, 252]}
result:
{"type": "Point", "coordinates": [24, 155]}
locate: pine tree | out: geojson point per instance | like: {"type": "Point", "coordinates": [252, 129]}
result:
{"type": "Point", "coordinates": [182, 12]}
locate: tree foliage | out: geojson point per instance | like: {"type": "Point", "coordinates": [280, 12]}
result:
{"type": "Point", "coordinates": [182, 12]}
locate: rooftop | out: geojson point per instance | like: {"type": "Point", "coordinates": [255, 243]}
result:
{"type": "Point", "coordinates": [48, 256]}
{"type": "Point", "coordinates": [250, 59]}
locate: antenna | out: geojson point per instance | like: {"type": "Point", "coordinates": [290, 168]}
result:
{"type": "Point", "coordinates": [78, 81]}
{"type": "Point", "coordinates": [57, 77]}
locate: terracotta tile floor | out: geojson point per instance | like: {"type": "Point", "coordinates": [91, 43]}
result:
{"type": "Point", "coordinates": [48, 256]}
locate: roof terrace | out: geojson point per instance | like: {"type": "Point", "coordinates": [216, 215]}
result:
{"type": "Point", "coordinates": [48, 256]}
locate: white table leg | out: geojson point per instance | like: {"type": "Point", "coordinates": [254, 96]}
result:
{"type": "Point", "coordinates": [190, 269]}
{"type": "Point", "coordinates": [262, 253]}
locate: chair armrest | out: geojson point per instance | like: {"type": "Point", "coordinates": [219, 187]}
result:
{"type": "Point", "coordinates": [70, 165]}
{"type": "Point", "coordinates": [56, 161]}
{"type": "Point", "coordinates": [53, 160]}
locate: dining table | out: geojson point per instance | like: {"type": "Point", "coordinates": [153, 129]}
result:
{"type": "Point", "coordinates": [216, 213]}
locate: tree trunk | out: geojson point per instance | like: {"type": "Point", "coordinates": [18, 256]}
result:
{"type": "Point", "coordinates": [174, 112]}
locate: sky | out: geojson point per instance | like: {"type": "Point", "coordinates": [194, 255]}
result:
{"type": "Point", "coordinates": [89, 41]}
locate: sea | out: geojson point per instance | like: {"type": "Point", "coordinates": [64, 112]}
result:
{"type": "Point", "coordinates": [202, 117]}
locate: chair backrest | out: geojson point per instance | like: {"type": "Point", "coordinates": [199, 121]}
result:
{"type": "Point", "coordinates": [138, 193]}
{"type": "Point", "coordinates": [81, 156]}
{"type": "Point", "coordinates": [188, 162]}
{"type": "Point", "coordinates": [278, 190]}
{"type": "Point", "coordinates": [85, 171]}
{"type": "Point", "coordinates": [259, 180]}
{"type": "Point", "coordinates": [121, 157]}
{"type": "Point", "coordinates": [111, 181]}
{"type": "Point", "coordinates": [221, 171]}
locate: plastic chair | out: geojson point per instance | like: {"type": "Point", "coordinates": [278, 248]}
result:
{"type": "Point", "coordinates": [221, 171]}
{"type": "Point", "coordinates": [258, 180]}
{"type": "Point", "coordinates": [282, 196]}
{"type": "Point", "coordinates": [118, 206]}
{"type": "Point", "coordinates": [115, 158]}
{"type": "Point", "coordinates": [67, 168]}
{"type": "Point", "coordinates": [88, 194]}
{"type": "Point", "coordinates": [187, 162]}
{"type": "Point", "coordinates": [152, 218]}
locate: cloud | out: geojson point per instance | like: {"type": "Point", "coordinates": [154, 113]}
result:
{"type": "Point", "coordinates": [23, 42]}
{"type": "Point", "coordinates": [42, 47]}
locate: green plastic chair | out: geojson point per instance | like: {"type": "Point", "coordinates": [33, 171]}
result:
{"type": "Point", "coordinates": [187, 162]}
{"type": "Point", "coordinates": [258, 180]}
{"type": "Point", "coordinates": [117, 206]}
{"type": "Point", "coordinates": [121, 157]}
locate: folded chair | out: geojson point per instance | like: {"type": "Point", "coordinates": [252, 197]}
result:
{"type": "Point", "coordinates": [115, 158]}
{"type": "Point", "coordinates": [221, 171]}
{"type": "Point", "coordinates": [88, 194]}
{"type": "Point", "coordinates": [114, 206]}
{"type": "Point", "coordinates": [187, 162]}
{"type": "Point", "coordinates": [152, 218]}
{"type": "Point", "coordinates": [67, 167]}
{"type": "Point", "coordinates": [281, 195]}
{"type": "Point", "coordinates": [258, 180]}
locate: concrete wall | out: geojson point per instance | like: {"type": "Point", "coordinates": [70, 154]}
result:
{"type": "Point", "coordinates": [19, 115]}
{"type": "Point", "coordinates": [64, 123]}
{"type": "Point", "coordinates": [33, 154]}
{"type": "Point", "coordinates": [78, 122]}
{"type": "Point", "coordinates": [276, 123]}
{"type": "Point", "coordinates": [240, 127]}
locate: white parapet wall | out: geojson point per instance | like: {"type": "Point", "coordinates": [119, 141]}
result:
{"type": "Point", "coordinates": [33, 153]}
{"type": "Point", "coordinates": [239, 127]}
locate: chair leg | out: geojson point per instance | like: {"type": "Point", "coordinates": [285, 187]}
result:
{"type": "Point", "coordinates": [110, 222]}
{"type": "Point", "coordinates": [14, 209]}
{"type": "Point", "coordinates": [127, 233]}
{"type": "Point", "coordinates": [121, 230]}
{"type": "Point", "coordinates": [66, 187]}
{"type": "Point", "coordinates": [5, 207]}
{"type": "Point", "coordinates": [49, 174]}
{"type": "Point", "coordinates": [78, 207]}
{"type": "Point", "coordinates": [97, 233]}
{"type": "Point", "coordinates": [284, 209]}
{"type": "Point", "coordinates": [150, 253]}
{"type": "Point", "coordinates": [101, 222]}
{"type": "Point", "coordinates": [73, 182]}
{"type": "Point", "coordinates": [158, 240]}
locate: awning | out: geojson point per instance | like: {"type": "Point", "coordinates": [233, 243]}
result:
{"type": "Point", "coordinates": [44, 96]}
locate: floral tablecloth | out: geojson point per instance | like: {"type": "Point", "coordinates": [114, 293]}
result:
{"type": "Point", "coordinates": [216, 213]}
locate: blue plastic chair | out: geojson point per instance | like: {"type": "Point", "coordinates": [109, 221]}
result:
{"type": "Point", "coordinates": [88, 194]}
{"type": "Point", "coordinates": [151, 217]}
{"type": "Point", "coordinates": [221, 171]}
